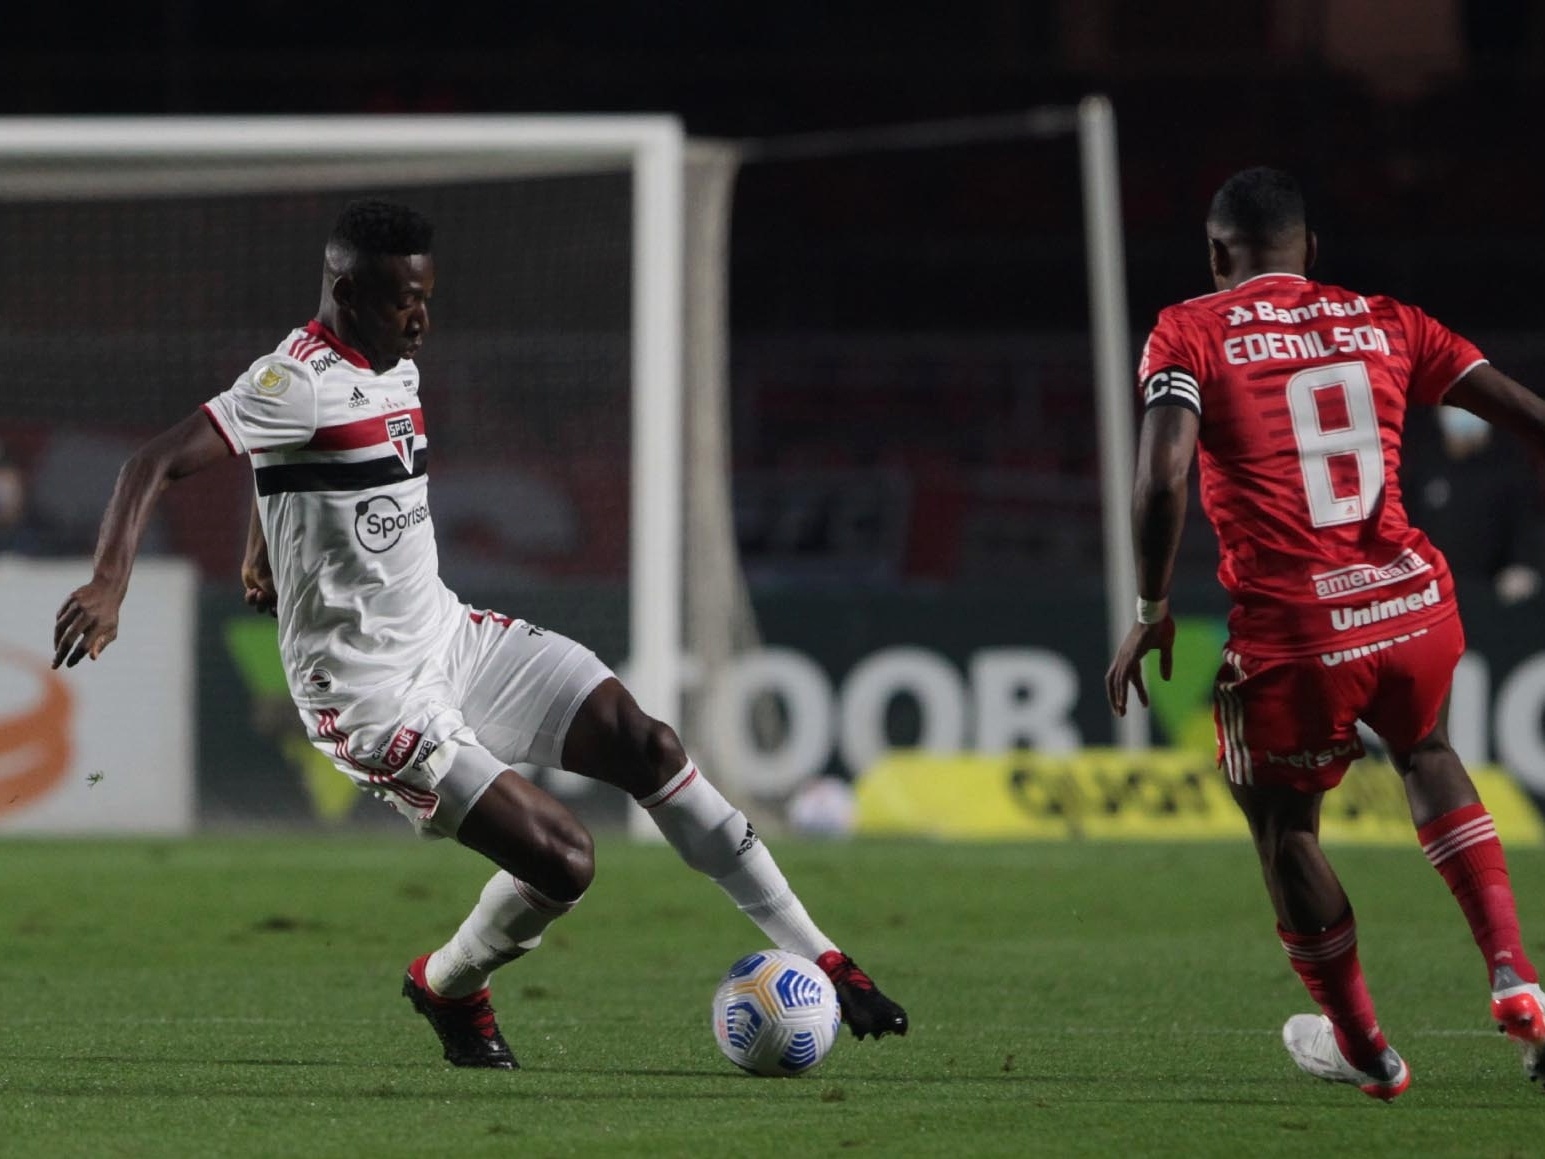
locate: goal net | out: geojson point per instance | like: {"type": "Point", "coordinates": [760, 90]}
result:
{"type": "Point", "coordinates": [147, 263]}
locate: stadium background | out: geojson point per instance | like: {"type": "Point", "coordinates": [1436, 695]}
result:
{"type": "Point", "coordinates": [913, 428]}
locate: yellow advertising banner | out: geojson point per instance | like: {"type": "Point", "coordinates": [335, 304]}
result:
{"type": "Point", "coordinates": [1117, 795]}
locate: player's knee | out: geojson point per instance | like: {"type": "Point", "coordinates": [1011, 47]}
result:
{"type": "Point", "coordinates": [568, 861]}
{"type": "Point", "coordinates": [662, 750]}
{"type": "Point", "coordinates": [649, 753]}
{"type": "Point", "coordinates": [1432, 755]}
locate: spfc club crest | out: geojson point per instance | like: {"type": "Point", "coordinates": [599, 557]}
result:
{"type": "Point", "coordinates": [399, 429]}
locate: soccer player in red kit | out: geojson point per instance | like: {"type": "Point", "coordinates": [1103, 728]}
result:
{"type": "Point", "coordinates": [1293, 395]}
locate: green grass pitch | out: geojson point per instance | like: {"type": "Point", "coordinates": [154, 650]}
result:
{"type": "Point", "coordinates": [238, 997]}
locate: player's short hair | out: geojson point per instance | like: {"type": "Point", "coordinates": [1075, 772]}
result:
{"type": "Point", "coordinates": [1260, 205]}
{"type": "Point", "coordinates": [370, 227]}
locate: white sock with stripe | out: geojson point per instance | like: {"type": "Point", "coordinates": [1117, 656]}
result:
{"type": "Point", "coordinates": [507, 922]}
{"type": "Point", "coordinates": [715, 838]}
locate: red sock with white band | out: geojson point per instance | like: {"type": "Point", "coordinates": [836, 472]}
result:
{"type": "Point", "coordinates": [1462, 845]}
{"type": "Point", "coordinates": [1327, 965]}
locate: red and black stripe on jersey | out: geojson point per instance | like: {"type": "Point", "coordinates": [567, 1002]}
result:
{"type": "Point", "coordinates": [331, 460]}
{"type": "Point", "coordinates": [334, 476]}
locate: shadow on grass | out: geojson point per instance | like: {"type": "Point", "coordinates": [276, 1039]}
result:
{"type": "Point", "coordinates": [437, 1096]}
{"type": "Point", "coordinates": [423, 1083]}
{"type": "Point", "coordinates": [395, 1065]}
{"type": "Point", "coordinates": [507, 1093]}
{"type": "Point", "coordinates": [131, 1060]}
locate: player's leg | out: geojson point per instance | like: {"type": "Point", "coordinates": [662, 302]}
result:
{"type": "Point", "coordinates": [531, 835]}
{"type": "Point", "coordinates": [545, 865]}
{"type": "Point", "coordinates": [1318, 931]}
{"type": "Point", "coordinates": [1455, 829]}
{"type": "Point", "coordinates": [410, 748]}
{"type": "Point", "coordinates": [1460, 840]}
{"type": "Point", "coordinates": [611, 739]}
{"type": "Point", "coordinates": [1284, 742]}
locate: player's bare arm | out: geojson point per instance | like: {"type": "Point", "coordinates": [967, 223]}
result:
{"type": "Point", "coordinates": [87, 622]}
{"type": "Point", "coordinates": [257, 577]}
{"type": "Point", "coordinates": [1486, 391]}
{"type": "Point", "coordinates": [1166, 446]}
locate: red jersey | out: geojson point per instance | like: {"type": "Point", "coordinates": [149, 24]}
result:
{"type": "Point", "coordinates": [1302, 391]}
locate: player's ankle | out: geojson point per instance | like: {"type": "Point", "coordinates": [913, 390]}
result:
{"type": "Point", "coordinates": [1362, 1048]}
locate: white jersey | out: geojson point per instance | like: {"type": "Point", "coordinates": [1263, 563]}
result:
{"type": "Point", "coordinates": [340, 459]}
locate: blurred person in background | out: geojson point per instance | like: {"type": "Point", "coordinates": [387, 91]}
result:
{"type": "Point", "coordinates": [1478, 499]}
{"type": "Point", "coordinates": [22, 531]}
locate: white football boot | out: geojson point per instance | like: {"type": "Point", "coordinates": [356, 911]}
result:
{"type": "Point", "coordinates": [1519, 1010]}
{"type": "Point", "coordinates": [1311, 1040]}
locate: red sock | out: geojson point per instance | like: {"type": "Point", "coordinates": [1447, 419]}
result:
{"type": "Point", "coordinates": [1463, 847]}
{"type": "Point", "coordinates": [1327, 965]}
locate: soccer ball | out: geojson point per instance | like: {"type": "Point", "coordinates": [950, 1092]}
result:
{"type": "Point", "coordinates": [775, 1013]}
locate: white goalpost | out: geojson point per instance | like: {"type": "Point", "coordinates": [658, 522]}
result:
{"type": "Point", "coordinates": [1110, 343]}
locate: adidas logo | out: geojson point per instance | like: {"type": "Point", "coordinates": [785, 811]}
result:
{"type": "Point", "coordinates": [748, 842]}
{"type": "Point", "coordinates": [358, 399]}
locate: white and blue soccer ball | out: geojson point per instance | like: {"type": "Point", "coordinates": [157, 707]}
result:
{"type": "Point", "coordinates": [775, 1013]}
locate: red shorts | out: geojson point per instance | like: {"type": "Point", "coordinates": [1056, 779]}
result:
{"type": "Point", "coordinates": [1294, 722]}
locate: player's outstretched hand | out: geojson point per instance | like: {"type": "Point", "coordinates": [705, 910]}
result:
{"type": "Point", "coordinates": [87, 623]}
{"type": "Point", "coordinates": [1126, 670]}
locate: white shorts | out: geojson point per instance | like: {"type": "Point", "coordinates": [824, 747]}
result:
{"type": "Point", "coordinates": [504, 692]}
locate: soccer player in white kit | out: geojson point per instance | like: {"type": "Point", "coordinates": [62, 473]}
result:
{"type": "Point", "coordinates": [417, 697]}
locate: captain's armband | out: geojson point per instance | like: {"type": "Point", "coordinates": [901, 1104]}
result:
{"type": "Point", "coordinates": [1172, 387]}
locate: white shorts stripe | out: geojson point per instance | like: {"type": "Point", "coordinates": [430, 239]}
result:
{"type": "Point", "coordinates": [1231, 726]}
{"type": "Point", "coordinates": [327, 729]}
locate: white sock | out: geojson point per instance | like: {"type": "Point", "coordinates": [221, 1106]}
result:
{"type": "Point", "coordinates": [507, 922]}
{"type": "Point", "coordinates": [715, 838]}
